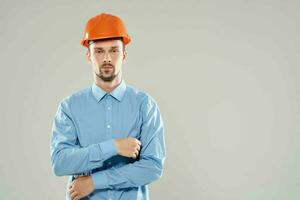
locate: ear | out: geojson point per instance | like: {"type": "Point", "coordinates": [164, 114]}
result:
{"type": "Point", "coordinates": [125, 55]}
{"type": "Point", "coordinates": [88, 56]}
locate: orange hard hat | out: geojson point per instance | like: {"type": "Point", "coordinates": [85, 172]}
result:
{"type": "Point", "coordinates": [104, 26]}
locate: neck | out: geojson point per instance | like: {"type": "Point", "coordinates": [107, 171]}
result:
{"type": "Point", "coordinates": [107, 86]}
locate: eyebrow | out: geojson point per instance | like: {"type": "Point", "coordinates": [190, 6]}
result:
{"type": "Point", "coordinates": [113, 47]}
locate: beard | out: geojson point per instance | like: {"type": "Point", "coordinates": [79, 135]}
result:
{"type": "Point", "coordinates": [107, 74]}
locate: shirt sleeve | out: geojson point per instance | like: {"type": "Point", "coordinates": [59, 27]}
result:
{"type": "Point", "coordinates": [152, 155]}
{"type": "Point", "coordinates": [67, 156]}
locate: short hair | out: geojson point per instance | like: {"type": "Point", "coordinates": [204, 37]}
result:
{"type": "Point", "coordinates": [104, 39]}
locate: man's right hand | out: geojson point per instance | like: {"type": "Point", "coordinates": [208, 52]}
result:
{"type": "Point", "coordinates": [128, 147]}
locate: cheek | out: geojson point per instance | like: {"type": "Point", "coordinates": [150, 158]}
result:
{"type": "Point", "coordinates": [95, 66]}
{"type": "Point", "coordinates": [96, 62]}
{"type": "Point", "coordinates": [118, 61]}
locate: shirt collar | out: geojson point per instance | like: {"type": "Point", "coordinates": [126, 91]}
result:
{"type": "Point", "coordinates": [117, 93]}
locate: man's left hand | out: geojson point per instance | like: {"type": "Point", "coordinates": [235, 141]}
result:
{"type": "Point", "coordinates": [81, 187]}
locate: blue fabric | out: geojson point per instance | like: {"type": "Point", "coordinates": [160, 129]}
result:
{"type": "Point", "coordinates": [82, 141]}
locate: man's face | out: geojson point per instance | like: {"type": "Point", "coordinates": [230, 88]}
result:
{"type": "Point", "coordinates": [106, 58]}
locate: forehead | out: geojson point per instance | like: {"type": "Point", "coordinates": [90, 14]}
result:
{"type": "Point", "coordinates": [106, 43]}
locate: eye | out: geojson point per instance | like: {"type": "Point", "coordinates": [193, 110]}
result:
{"type": "Point", "coordinates": [99, 51]}
{"type": "Point", "coordinates": [115, 50]}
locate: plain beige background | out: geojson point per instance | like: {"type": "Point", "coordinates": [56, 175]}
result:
{"type": "Point", "coordinates": [225, 75]}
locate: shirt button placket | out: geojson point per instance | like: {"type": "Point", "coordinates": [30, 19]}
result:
{"type": "Point", "coordinates": [108, 116]}
{"type": "Point", "coordinates": [109, 126]}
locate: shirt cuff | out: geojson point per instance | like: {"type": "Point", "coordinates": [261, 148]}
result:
{"type": "Point", "coordinates": [100, 180]}
{"type": "Point", "coordinates": [103, 150]}
{"type": "Point", "coordinates": [109, 147]}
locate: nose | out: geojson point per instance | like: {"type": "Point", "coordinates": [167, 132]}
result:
{"type": "Point", "coordinates": [107, 57]}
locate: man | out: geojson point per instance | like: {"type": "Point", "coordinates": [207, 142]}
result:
{"type": "Point", "coordinates": [108, 138]}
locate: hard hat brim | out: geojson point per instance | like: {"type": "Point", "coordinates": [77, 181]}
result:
{"type": "Point", "coordinates": [85, 42]}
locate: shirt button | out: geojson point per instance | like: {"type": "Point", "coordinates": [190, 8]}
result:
{"type": "Point", "coordinates": [109, 163]}
{"type": "Point", "coordinates": [108, 108]}
{"type": "Point", "coordinates": [108, 126]}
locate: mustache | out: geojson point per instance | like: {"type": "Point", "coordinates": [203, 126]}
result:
{"type": "Point", "coordinates": [106, 64]}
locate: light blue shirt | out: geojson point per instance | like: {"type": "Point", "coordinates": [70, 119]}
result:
{"type": "Point", "coordinates": [83, 131]}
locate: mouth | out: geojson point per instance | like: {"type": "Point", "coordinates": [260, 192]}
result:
{"type": "Point", "coordinates": [107, 67]}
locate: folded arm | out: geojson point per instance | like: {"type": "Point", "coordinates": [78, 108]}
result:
{"type": "Point", "coordinates": [67, 157]}
{"type": "Point", "coordinates": [152, 155]}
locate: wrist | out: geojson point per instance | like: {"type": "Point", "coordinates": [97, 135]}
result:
{"type": "Point", "coordinates": [91, 183]}
{"type": "Point", "coordinates": [116, 143]}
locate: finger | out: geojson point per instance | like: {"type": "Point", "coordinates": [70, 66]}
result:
{"type": "Point", "coordinates": [71, 191]}
{"type": "Point", "coordinates": [71, 188]}
{"type": "Point", "coordinates": [73, 194]}
{"type": "Point", "coordinates": [77, 198]}
{"type": "Point", "coordinates": [133, 156]}
{"type": "Point", "coordinates": [74, 197]}
{"type": "Point", "coordinates": [137, 141]}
